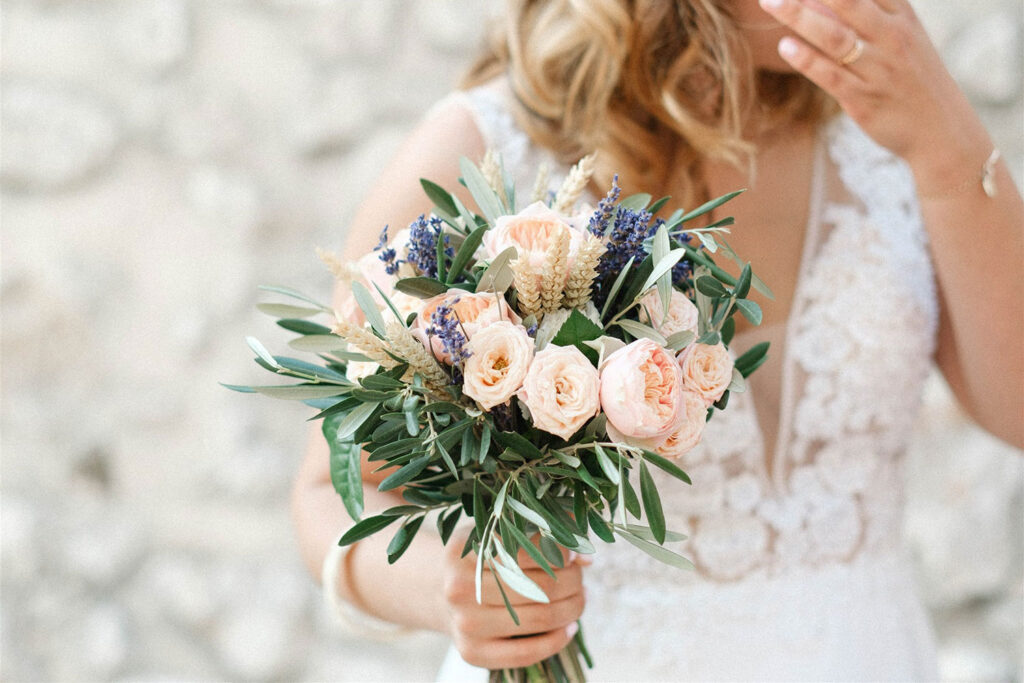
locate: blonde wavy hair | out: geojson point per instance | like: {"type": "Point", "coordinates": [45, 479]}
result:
{"type": "Point", "coordinates": [655, 85]}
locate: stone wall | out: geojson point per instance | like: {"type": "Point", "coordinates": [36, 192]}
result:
{"type": "Point", "coordinates": [160, 158]}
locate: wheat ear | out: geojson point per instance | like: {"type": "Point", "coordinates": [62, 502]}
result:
{"type": "Point", "coordinates": [338, 268]}
{"type": "Point", "coordinates": [369, 345]}
{"type": "Point", "coordinates": [556, 262]}
{"type": "Point", "coordinates": [574, 184]}
{"type": "Point", "coordinates": [406, 346]}
{"type": "Point", "coordinates": [491, 170]}
{"type": "Point", "coordinates": [584, 270]}
{"type": "Point", "coordinates": [527, 288]}
{"type": "Point", "coordinates": [540, 185]}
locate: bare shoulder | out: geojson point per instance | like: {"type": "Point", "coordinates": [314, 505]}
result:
{"type": "Point", "coordinates": [432, 150]}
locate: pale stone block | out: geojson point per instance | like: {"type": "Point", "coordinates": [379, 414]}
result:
{"type": "Point", "coordinates": [52, 136]}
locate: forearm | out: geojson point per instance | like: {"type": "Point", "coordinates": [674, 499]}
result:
{"type": "Point", "coordinates": [978, 249]}
{"type": "Point", "coordinates": [408, 592]}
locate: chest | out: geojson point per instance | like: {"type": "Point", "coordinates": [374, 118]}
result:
{"type": "Point", "coordinates": [771, 218]}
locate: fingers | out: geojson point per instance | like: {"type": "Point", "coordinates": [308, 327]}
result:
{"type": "Point", "coordinates": [460, 586]}
{"type": "Point", "coordinates": [863, 16]}
{"type": "Point", "coordinates": [826, 33]}
{"type": "Point", "coordinates": [508, 653]}
{"type": "Point", "coordinates": [830, 76]}
{"type": "Point", "coordinates": [568, 557]}
{"type": "Point", "coordinates": [491, 622]}
{"type": "Point", "coordinates": [567, 582]}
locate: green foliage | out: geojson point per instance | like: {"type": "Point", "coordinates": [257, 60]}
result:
{"type": "Point", "coordinates": [345, 467]}
{"type": "Point", "coordinates": [575, 331]}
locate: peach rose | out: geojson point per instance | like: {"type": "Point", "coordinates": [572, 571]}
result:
{"type": "Point", "coordinates": [641, 393]}
{"type": "Point", "coordinates": [501, 355]}
{"type": "Point", "coordinates": [531, 232]}
{"type": "Point", "coordinates": [682, 314]}
{"type": "Point", "coordinates": [690, 429]}
{"type": "Point", "coordinates": [474, 311]}
{"type": "Point", "coordinates": [707, 370]}
{"type": "Point", "coordinates": [561, 390]}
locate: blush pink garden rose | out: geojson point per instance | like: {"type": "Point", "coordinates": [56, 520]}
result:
{"type": "Point", "coordinates": [707, 370]}
{"type": "Point", "coordinates": [691, 427]}
{"type": "Point", "coordinates": [561, 390]}
{"type": "Point", "coordinates": [501, 356]}
{"type": "Point", "coordinates": [641, 393]}
{"type": "Point", "coordinates": [475, 311]}
{"type": "Point", "coordinates": [682, 313]}
{"type": "Point", "coordinates": [531, 232]}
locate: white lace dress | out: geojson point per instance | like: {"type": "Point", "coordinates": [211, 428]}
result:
{"type": "Point", "coordinates": [801, 573]}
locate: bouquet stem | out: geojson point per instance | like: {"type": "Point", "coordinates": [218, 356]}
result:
{"type": "Point", "coordinates": [564, 667]}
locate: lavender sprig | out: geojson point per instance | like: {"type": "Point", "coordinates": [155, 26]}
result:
{"type": "Point", "coordinates": [387, 254]}
{"type": "Point", "coordinates": [605, 208]}
{"type": "Point", "coordinates": [629, 232]}
{"type": "Point", "coordinates": [445, 325]}
{"type": "Point", "coordinates": [683, 271]}
{"type": "Point", "coordinates": [423, 235]}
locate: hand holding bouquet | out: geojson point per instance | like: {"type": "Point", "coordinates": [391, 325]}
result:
{"type": "Point", "coordinates": [524, 369]}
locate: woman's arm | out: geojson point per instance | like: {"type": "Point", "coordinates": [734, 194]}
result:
{"type": "Point", "coordinates": [896, 88]}
{"type": "Point", "coordinates": [406, 592]}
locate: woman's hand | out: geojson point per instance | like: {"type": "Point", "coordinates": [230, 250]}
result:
{"type": "Point", "coordinates": [485, 635]}
{"type": "Point", "coordinates": [875, 59]}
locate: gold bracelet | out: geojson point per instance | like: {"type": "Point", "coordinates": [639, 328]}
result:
{"type": "Point", "coordinates": [987, 177]}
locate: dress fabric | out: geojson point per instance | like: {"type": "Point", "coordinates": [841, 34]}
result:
{"type": "Point", "coordinates": [801, 572]}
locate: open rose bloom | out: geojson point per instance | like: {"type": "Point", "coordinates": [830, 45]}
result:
{"type": "Point", "coordinates": [561, 390]}
{"type": "Point", "coordinates": [707, 370]}
{"type": "Point", "coordinates": [642, 394]}
{"type": "Point", "coordinates": [500, 358]}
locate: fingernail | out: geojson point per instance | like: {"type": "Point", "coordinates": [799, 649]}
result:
{"type": "Point", "coordinates": [787, 48]}
{"type": "Point", "coordinates": [771, 4]}
{"type": "Point", "coordinates": [572, 556]}
{"type": "Point", "coordinates": [571, 629]}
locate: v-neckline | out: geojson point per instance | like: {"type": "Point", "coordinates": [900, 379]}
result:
{"type": "Point", "coordinates": [770, 463]}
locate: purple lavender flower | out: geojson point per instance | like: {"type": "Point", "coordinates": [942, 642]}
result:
{"type": "Point", "coordinates": [629, 232]}
{"type": "Point", "coordinates": [387, 254]}
{"type": "Point", "coordinates": [605, 209]}
{"type": "Point", "coordinates": [445, 325]}
{"type": "Point", "coordinates": [683, 271]}
{"type": "Point", "coordinates": [423, 235]}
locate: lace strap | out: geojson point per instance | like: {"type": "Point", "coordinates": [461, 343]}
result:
{"type": "Point", "coordinates": [884, 186]}
{"type": "Point", "coordinates": [490, 107]}
{"type": "Point", "coordinates": [495, 123]}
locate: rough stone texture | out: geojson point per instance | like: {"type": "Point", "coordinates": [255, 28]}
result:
{"type": "Point", "coordinates": [160, 158]}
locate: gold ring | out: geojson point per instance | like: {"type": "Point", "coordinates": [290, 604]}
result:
{"type": "Point", "coordinates": [854, 54]}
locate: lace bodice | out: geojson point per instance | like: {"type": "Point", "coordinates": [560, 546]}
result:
{"type": "Point", "coordinates": [797, 543]}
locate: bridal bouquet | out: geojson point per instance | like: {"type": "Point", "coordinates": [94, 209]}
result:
{"type": "Point", "coordinates": [525, 369]}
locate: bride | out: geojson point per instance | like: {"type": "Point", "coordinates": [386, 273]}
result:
{"type": "Point", "coordinates": [890, 231]}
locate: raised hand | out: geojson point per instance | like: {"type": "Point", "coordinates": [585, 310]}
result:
{"type": "Point", "coordinates": [875, 58]}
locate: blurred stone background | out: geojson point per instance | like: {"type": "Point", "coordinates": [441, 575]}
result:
{"type": "Point", "coordinates": [159, 159]}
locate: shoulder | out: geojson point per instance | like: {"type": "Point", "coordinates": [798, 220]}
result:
{"type": "Point", "coordinates": [432, 149]}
